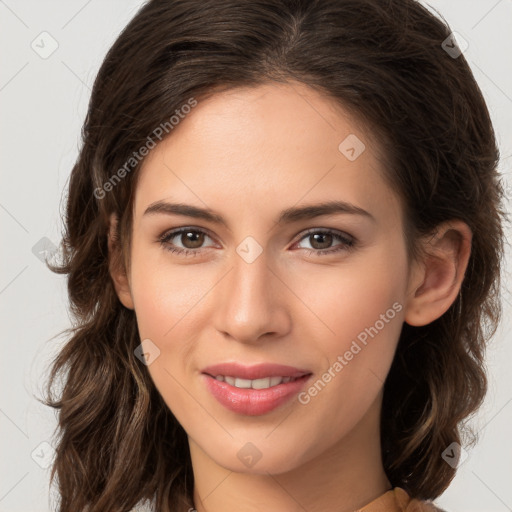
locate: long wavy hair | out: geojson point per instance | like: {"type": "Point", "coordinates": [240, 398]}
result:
{"type": "Point", "coordinates": [118, 443]}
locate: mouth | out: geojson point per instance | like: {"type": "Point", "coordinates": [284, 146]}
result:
{"type": "Point", "coordinates": [254, 390]}
{"type": "Point", "coordinates": [263, 383]}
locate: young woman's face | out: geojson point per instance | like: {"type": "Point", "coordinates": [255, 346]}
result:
{"type": "Point", "coordinates": [280, 280]}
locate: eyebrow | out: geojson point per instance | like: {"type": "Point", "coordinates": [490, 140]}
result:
{"type": "Point", "coordinates": [287, 216]}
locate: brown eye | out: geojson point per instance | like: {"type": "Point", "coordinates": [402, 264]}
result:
{"type": "Point", "coordinates": [185, 241]}
{"type": "Point", "coordinates": [321, 240]}
{"type": "Point", "coordinates": [192, 239]}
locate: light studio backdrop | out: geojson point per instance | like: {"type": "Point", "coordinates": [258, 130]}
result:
{"type": "Point", "coordinates": [51, 52]}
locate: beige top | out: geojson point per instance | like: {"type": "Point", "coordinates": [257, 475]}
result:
{"type": "Point", "coordinates": [397, 500]}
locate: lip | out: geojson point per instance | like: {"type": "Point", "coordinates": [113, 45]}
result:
{"type": "Point", "coordinates": [258, 371]}
{"type": "Point", "coordinates": [248, 401]}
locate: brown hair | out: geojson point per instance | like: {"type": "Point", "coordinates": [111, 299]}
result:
{"type": "Point", "coordinates": [383, 60]}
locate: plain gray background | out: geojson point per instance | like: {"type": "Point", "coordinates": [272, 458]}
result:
{"type": "Point", "coordinates": [43, 100]}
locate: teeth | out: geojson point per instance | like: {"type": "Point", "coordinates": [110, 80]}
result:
{"type": "Point", "coordinates": [274, 381]}
{"type": "Point", "coordinates": [230, 380]}
{"type": "Point", "coordinates": [263, 383]}
{"type": "Point", "coordinates": [242, 383]}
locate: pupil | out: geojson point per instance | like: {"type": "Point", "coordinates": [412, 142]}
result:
{"type": "Point", "coordinates": [318, 237]}
{"type": "Point", "coordinates": [193, 240]}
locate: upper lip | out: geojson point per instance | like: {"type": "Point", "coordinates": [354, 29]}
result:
{"type": "Point", "coordinates": [257, 371]}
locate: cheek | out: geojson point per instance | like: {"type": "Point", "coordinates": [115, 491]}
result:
{"type": "Point", "coordinates": [366, 302]}
{"type": "Point", "coordinates": [351, 299]}
{"type": "Point", "coordinates": [363, 307]}
{"type": "Point", "coordinates": [165, 298]}
{"type": "Point", "coordinates": [169, 302]}
{"type": "Point", "coordinates": [164, 294]}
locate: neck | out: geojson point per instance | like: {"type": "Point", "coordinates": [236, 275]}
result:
{"type": "Point", "coordinates": [344, 478]}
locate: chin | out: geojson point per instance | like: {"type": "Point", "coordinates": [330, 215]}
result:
{"type": "Point", "coordinates": [259, 458]}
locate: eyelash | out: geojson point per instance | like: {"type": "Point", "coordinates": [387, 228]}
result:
{"type": "Point", "coordinates": [348, 242]}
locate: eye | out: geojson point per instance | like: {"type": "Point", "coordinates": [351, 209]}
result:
{"type": "Point", "coordinates": [321, 241]}
{"type": "Point", "coordinates": [191, 240]}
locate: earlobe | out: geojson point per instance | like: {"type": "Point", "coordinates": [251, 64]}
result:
{"type": "Point", "coordinates": [116, 266]}
{"type": "Point", "coordinates": [437, 281]}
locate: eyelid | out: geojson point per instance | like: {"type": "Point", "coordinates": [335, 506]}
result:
{"type": "Point", "coordinates": [331, 231]}
{"type": "Point", "coordinates": [348, 240]}
{"type": "Point", "coordinates": [171, 233]}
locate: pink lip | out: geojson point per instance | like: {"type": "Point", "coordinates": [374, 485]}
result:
{"type": "Point", "coordinates": [258, 371]}
{"type": "Point", "coordinates": [253, 402]}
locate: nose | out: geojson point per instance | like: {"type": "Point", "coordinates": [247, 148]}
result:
{"type": "Point", "coordinates": [251, 304]}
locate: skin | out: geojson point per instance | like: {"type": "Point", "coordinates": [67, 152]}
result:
{"type": "Point", "coordinates": [248, 154]}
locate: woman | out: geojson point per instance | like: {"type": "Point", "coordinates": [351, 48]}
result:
{"type": "Point", "coordinates": [219, 363]}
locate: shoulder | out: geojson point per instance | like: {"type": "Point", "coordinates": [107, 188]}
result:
{"type": "Point", "coordinates": [407, 504]}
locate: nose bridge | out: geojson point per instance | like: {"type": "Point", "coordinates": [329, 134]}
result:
{"type": "Point", "coordinates": [251, 279]}
{"type": "Point", "coordinates": [250, 303]}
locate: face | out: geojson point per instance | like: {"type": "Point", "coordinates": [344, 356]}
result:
{"type": "Point", "coordinates": [250, 276]}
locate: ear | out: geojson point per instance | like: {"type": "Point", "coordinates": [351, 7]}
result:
{"type": "Point", "coordinates": [116, 265]}
{"type": "Point", "coordinates": [436, 280]}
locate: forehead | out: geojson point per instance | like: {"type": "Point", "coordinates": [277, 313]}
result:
{"type": "Point", "coordinates": [272, 144]}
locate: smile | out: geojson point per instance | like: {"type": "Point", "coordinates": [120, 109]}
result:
{"type": "Point", "coordinates": [253, 389]}
{"type": "Point", "coordinates": [264, 383]}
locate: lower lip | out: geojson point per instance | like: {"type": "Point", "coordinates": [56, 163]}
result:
{"type": "Point", "coordinates": [253, 402]}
